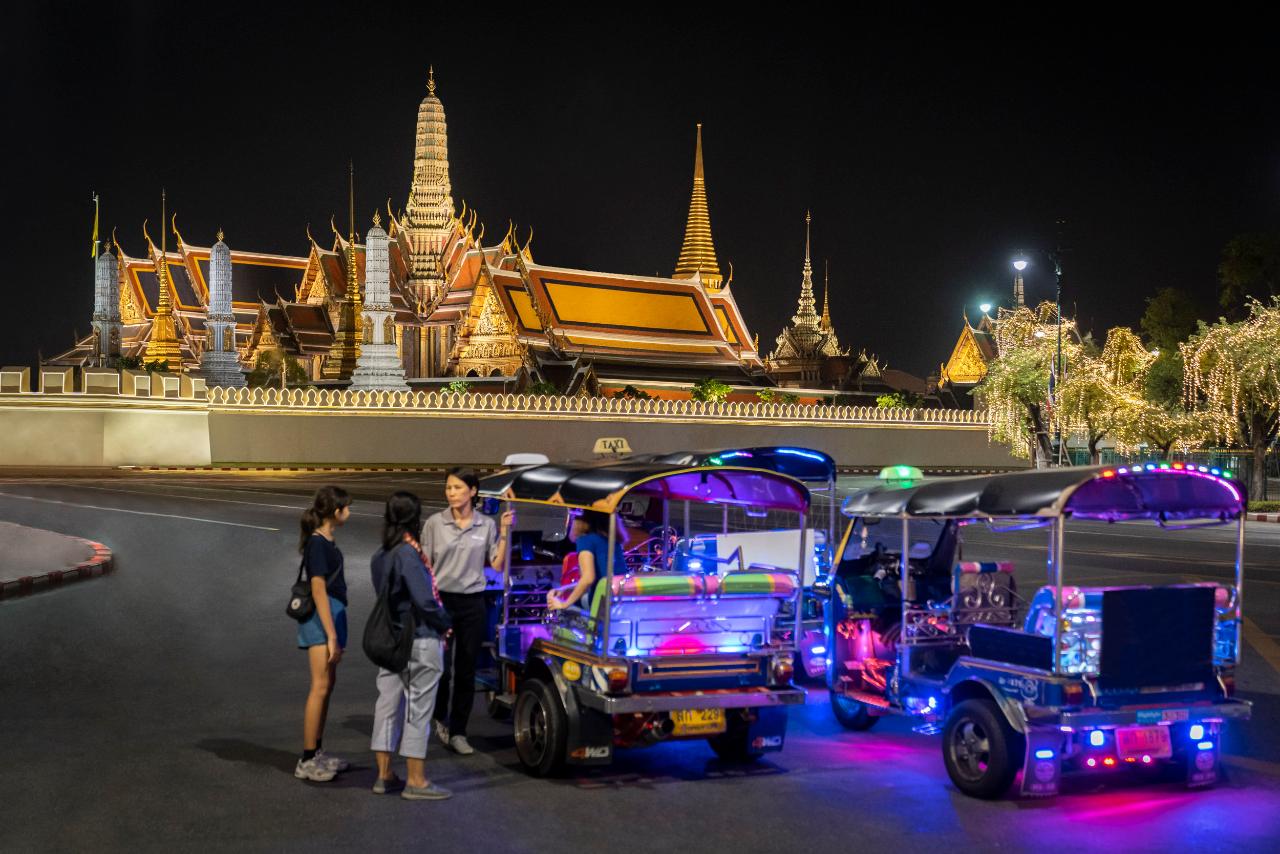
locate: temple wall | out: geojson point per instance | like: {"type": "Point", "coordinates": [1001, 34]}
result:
{"type": "Point", "coordinates": [321, 427]}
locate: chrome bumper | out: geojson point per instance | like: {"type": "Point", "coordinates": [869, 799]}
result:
{"type": "Point", "coordinates": [1230, 710]}
{"type": "Point", "coordinates": [665, 702]}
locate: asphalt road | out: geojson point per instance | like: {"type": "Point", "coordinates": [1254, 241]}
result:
{"type": "Point", "coordinates": [160, 708]}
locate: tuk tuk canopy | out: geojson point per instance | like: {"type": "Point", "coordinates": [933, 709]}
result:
{"type": "Point", "coordinates": [602, 485]}
{"type": "Point", "coordinates": [1108, 493]}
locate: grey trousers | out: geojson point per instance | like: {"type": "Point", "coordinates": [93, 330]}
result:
{"type": "Point", "coordinates": [402, 715]}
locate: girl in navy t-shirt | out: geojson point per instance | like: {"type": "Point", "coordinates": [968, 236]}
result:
{"type": "Point", "coordinates": [324, 635]}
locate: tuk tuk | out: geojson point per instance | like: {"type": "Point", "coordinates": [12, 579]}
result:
{"type": "Point", "coordinates": [679, 642]}
{"type": "Point", "coordinates": [1072, 678]}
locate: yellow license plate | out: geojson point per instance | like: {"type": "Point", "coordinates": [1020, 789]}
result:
{"type": "Point", "coordinates": [698, 721]}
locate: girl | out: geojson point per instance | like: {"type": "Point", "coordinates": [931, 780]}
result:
{"type": "Point", "coordinates": [402, 715]}
{"type": "Point", "coordinates": [590, 534]}
{"type": "Point", "coordinates": [324, 635]}
{"type": "Point", "coordinates": [456, 542]}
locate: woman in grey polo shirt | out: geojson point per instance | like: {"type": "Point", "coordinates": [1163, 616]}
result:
{"type": "Point", "coordinates": [458, 541]}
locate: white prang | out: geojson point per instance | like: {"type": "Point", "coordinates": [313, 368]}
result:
{"type": "Point", "coordinates": [219, 363]}
{"type": "Point", "coordinates": [106, 308]}
{"type": "Point", "coordinates": [379, 365]}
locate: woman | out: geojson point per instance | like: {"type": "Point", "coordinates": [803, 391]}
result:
{"type": "Point", "coordinates": [456, 542]}
{"type": "Point", "coordinates": [590, 534]}
{"type": "Point", "coordinates": [402, 715]}
{"type": "Point", "coordinates": [324, 634]}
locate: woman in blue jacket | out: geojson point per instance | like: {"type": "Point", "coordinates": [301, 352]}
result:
{"type": "Point", "coordinates": [402, 715]}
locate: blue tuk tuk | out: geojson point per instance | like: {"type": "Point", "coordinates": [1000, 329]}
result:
{"type": "Point", "coordinates": [676, 643]}
{"type": "Point", "coordinates": [1072, 678]}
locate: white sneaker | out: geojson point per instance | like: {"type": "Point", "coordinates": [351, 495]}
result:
{"type": "Point", "coordinates": [314, 771]}
{"type": "Point", "coordinates": [458, 744]}
{"type": "Point", "coordinates": [442, 733]}
{"type": "Point", "coordinates": [333, 763]}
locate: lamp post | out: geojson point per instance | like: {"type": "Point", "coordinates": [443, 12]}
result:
{"type": "Point", "coordinates": [985, 308]}
{"type": "Point", "coordinates": [1019, 294]}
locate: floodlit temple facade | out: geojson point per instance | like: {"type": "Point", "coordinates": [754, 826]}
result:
{"type": "Point", "coordinates": [441, 304]}
{"type": "Point", "coordinates": [427, 300]}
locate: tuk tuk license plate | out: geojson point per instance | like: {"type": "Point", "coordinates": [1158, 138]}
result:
{"type": "Point", "coordinates": [1141, 741]}
{"type": "Point", "coordinates": [698, 721]}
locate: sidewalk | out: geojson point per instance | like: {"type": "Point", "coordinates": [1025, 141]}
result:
{"type": "Point", "coordinates": [32, 560]}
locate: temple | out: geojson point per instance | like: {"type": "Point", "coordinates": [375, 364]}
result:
{"type": "Point", "coordinates": [429, 301]}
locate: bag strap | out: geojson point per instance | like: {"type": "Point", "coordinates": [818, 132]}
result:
{"type": "Point", "coordinates": [301, 565]}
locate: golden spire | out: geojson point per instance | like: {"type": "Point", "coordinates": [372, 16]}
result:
{"type": "Point", "coordinates": [826, 295]}
{"type": "Point", "coordinates": [353, 277]}
{"type": "Point", "coordinates": [431, 80]}
{"type": "Point", "coordinates": [163, 345]}
{"type": "Point", "coordinates": [698, 253]}
{"type": "Point", "coordinates": [219, 234]}
{"type": "Point", "coordinates": [345, 348]}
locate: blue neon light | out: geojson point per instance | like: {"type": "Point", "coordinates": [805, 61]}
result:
{"type": "Point", "coordinates": [1097, 738]}
{"type": "Point", "coordinates": [731, 455]}
{"type": "Point", "coordinates": [1215, 471]}
{"type": "Point", "coordinates": [1044, 753]}
{"type": "Point", "coordinates": [818, 650]}
{"type": "Point", "coordinates": [796, 452]}
{"type": "Point", "coordinates": [1205, 745]}
{"type": "Point", "coordinates": [1196, 732]}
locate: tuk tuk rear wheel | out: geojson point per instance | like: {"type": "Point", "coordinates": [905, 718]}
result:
{"type": "Point", "coordinates": [541, 728]}
{"type": "Point", "coordinates": [981, 751]}
{"type": "Point", "coordinates": [734, 744]}
{"type": "Point", "coordinates": [852, 714]}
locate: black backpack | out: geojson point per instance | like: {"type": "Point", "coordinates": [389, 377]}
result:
{"type": "Point", "coordinates": [386, 645]}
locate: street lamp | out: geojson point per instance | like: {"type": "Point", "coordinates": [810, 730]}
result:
{"type": "Point", "coordinates": [1019, 264]}
{"type": "Point", "coordinates": [986, 307]}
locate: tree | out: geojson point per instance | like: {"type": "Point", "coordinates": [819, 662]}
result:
{"type": "Point", "coordinates": [772, 395]}
{"type": "Point", "coordinates": [1250, 269]}
{"type": "Point", "coordinates": [542, 387]}
{"type": "Point", "coordinates": [1102, 393]}
{"type": "Point", "coordinates": [893, 400]}
{"type": "Point", "coordinates": [457, 387]}
{"type": "Point", "coordinates": [1170, 318]}
{"type": "Point", "coordinates": [630, 392]}
{"type": "Point", "coordinates": [1232, 377]}
{"type": "Point", "coordinates": [266, 370]}
{"type": "Point", "coordinates": [710, 390]}
{"type": "Point", "coordinates": [1015, 390]}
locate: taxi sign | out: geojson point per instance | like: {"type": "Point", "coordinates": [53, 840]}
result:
{"type": "Point", "coordinates": [612, 446]}
{"type": "Point", "coordinates": [900, 475]}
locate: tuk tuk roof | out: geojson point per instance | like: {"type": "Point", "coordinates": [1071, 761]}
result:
{"type": "Point", "coordinates": [805, 464]}
{"type": "Point", "coordinates": [1110, 493]}
{"type": "Point", "coordinates": [602, 485]}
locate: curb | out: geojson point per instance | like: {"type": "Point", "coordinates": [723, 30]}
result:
{"type": "Point", "coordinates": [101, 563]}
{"type": "Point", "coordinates": [1262, 517]}
{"type": "Point", "coordinates": [274, 469]}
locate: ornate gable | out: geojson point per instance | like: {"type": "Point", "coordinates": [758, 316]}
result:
{"type": "Point", "coordinates": [487, 343]}
{"type": "Point", "coordinates": [967, 365]}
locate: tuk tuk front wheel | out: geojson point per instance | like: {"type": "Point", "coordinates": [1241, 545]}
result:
{"type": "Point", "coordinates": [852, 714]}
{"type": "Point", "coordinates": [981, 751]}
{"type": "Point", "coordinates": [541, 728]}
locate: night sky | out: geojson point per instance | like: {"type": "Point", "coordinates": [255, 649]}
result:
{"type": "Point", "coordinates": [929, 149]}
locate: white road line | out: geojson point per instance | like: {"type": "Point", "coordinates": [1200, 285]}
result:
{"type": "Point", "coordinates": [135, 512]}
{"type": "Point", "coordinates": [293, 508]}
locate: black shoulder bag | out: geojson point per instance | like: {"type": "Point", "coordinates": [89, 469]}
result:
{"type": "Point", "coordinates": [386, 644]}
{"type": "Point", "coordinates": [301, 605]}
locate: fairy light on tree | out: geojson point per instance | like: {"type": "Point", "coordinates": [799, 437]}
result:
{"type": "Point", "coordinates": [1232, 377]}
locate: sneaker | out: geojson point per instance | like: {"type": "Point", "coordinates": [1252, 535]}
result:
{"type": "Point", "coordinates": [429, 792]}
{"type": "Point", "coordinates": [333, 763]}
{"type": "Point", "coordinates": [458, 744]}
{"type": "Point", "coordinates": [442, 733]}
{"type": "Point", "coordinates": [312, 770]}
{"type": "Point", "coordinates": [383, 787]}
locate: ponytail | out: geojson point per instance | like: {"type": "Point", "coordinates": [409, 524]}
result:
{"type": "Point", "coordinates": [327, 502]}
{"type": "Point", "coordinates": [403, 515]}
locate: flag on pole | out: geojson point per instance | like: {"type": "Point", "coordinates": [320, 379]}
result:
{"type": "Point", "coordinates": [93, 251]}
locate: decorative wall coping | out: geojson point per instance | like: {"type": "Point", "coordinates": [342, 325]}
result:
{"type": "Point", "coordinates": [473, 405]}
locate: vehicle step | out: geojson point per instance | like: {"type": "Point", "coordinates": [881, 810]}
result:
{"type": "Point", "coordinates": [505, 700]}
{"type": "Point", "coordinates": [928, 728]}
{"type": "Point", "coordinates": [869, 699]}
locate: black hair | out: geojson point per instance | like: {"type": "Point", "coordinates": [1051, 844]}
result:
{"type": "Point", "coordinates": [327, 502]}
{"type": "Point", "coordinates": [402, 516]}
{"type": "Point", "coordinates": [467, 475]}
{"type": "Point", "coordinates": [597, 522]}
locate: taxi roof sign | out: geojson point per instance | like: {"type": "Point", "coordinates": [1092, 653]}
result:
{"type": "Point", "coordinates": [900, 475]}
{"type": "Point", "coordinates": [612, 447]}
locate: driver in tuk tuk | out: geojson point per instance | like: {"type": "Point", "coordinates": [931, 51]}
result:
{"type": "Point", "coordinates": [589, 532]}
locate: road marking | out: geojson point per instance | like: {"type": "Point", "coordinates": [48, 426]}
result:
{"type": "Point", "coordinates": [134, 512]}
{"type": "Point", "coordinates": [293, 508]}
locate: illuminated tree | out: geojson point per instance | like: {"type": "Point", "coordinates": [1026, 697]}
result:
{"type": "Point", "coordinates": [1102, 394]}
{"type": "Point", "coordinates": [1015, 390]}
{"type": "Point", "coordinates": [1232, 377]}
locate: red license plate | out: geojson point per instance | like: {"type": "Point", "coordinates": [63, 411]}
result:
{"type": "Point", "coordinates": [1141, 741]}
